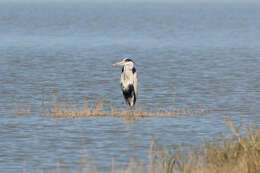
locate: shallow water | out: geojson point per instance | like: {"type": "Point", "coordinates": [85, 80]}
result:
{"type": "Point", "coordinates": [187, 55]}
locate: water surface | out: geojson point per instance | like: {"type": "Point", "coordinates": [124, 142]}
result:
{"type": "Point", "coordinates": [207, 55]}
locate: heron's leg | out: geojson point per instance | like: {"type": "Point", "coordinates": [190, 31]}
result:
{"type": "Point", "coordinates": [132, 110]}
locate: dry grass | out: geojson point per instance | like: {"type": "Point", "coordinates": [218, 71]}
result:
{"type": "Point", "coordinates": [72, 111]}
{"type": "Point", "coordinates": [22, 109]}
{"type": "Point", "coordinates": [97, 110]}
{"type": "Point", "coordinates": [240, 154]}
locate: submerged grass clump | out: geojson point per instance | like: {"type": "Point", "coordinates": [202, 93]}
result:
{"type": "Point", "coordinates": [100, 108]}
{"type": "Point", "coordinates": [22, 110]}
{"type": "Point", "coordinates": [70, 111]}
{"type": "Point", "coordinates": [97, 110]}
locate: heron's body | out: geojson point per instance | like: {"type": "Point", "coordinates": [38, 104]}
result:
{"type": "Point", "coordinates": [129, 81]}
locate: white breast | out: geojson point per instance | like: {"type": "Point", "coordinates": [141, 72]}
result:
{"type": "Point", "coordinates": [127, 78]}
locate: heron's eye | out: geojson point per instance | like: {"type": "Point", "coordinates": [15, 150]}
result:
{"type": "Point", "coordinates": [128, 60]}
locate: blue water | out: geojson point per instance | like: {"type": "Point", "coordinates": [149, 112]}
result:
{"type": "Point", "coordinates": [200, 55]}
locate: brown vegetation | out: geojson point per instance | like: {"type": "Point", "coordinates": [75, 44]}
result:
{"type": "Point", "coordinates": [97, 109]}
{"type": "Point", "coordinates": [240, 154]}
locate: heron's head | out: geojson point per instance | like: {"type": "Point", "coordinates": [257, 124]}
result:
{"type": "Point", "coordinates": [125, 62]}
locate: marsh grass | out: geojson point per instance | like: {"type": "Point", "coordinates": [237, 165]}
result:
{"type": "Point", "coordinates": [72, 111]}
{"type": "Point", "coordinates": [97, 109]}
{"type": "Point", "coordinates": [22, 109]}
{"type": "Point", "coordinates": [238, 154]}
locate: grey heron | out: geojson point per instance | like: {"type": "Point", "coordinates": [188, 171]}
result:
{"type": "Point", "coordinates": [128, 81]}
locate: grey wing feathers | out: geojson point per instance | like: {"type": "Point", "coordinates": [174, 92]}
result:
{"type": "Point", "coordinates": [135, 84]}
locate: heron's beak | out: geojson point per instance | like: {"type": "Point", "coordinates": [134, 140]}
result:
{"type": "Point", "coordinates": [121, 63]}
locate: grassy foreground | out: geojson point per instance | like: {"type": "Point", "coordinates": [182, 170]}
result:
{"type": "Point", "coordinates": [240, 154]}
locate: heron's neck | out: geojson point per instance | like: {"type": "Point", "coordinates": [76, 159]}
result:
{"type": "Point", "coordinates": [128, 67]}
{"type": "Point", "coordinates": [127, 74]}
